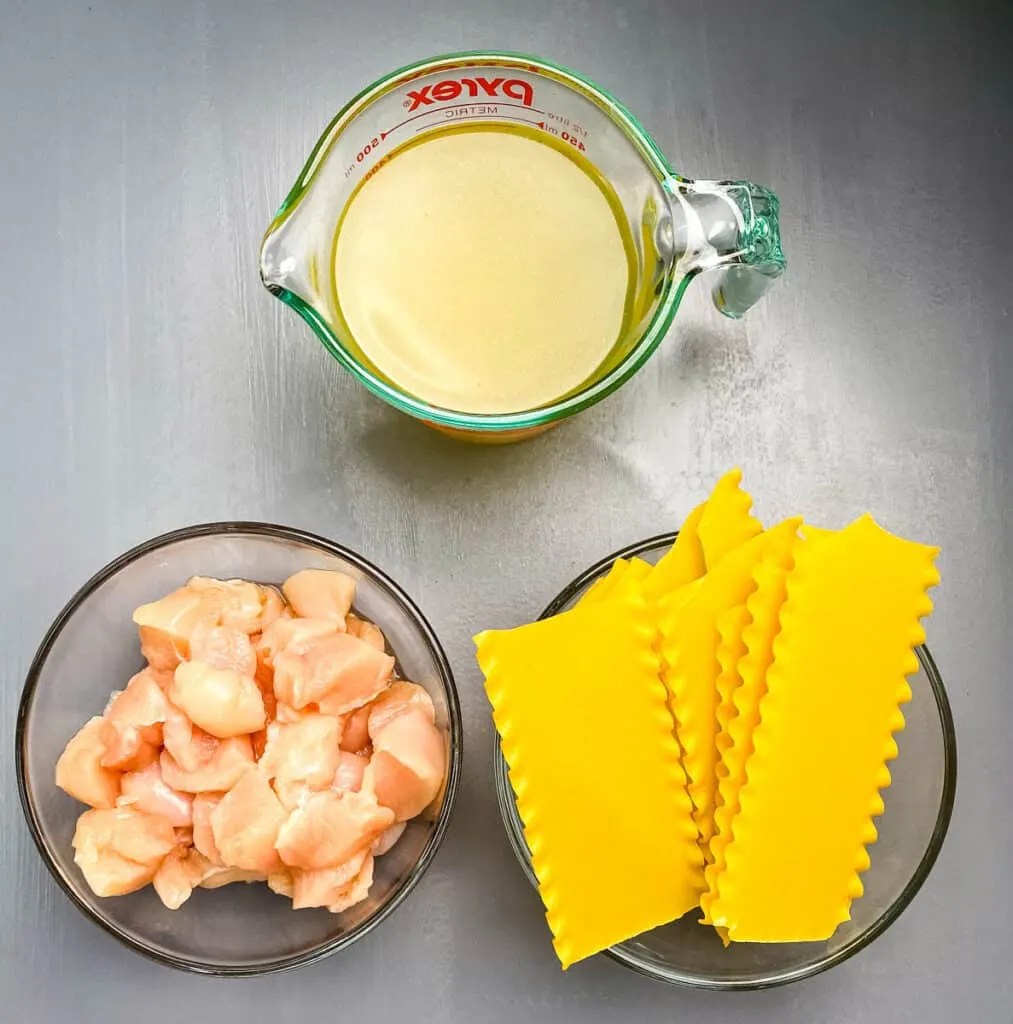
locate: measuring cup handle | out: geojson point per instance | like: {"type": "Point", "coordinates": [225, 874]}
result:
{"type": "Point", "coordinates": [729, 226]}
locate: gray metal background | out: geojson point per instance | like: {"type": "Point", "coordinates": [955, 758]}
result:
{"type": "Point", "coordinates": [148, 381]}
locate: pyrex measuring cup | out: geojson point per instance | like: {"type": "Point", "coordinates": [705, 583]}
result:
{"type": "Point", "coordinates": [679, 227]}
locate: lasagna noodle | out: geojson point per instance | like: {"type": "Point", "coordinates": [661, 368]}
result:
{"type": "Point", "coordinates": [848, 628]}
{"type": "Point", "coordinates": [725, 522]}
{"type": "Point", "coordinates": [564, 691]}
{"type": "Point", "coordinates": [735, 743]}
{"type": "Point", "coordinates": [689, 648]}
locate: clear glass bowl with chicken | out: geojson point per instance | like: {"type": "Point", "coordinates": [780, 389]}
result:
{"type": "Point", "coordinates": [239, 704]}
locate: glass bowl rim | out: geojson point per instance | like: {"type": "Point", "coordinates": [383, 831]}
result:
{"type": "Point", "coordinates": [508, 813]}
{"type": "Point", "coordinates": [454, 722]}
{"type": "Point", "coordinates": [669, 299]}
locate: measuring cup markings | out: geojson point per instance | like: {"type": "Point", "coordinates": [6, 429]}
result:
{"type": "Point", "coordinates": [483, 109]}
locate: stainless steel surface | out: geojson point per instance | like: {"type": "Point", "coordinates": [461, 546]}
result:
{"type": "Point", "coordinates": [148, 381]}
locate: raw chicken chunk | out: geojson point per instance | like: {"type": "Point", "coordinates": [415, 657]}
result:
{"type": "Point", "coordinates": [348, 775]}
{"type": "Point", "coordinates": [305, 750]}
{"type": "Point", "coordinates": [281, 882]}
{"type": "Point", "coordinates": [356, 891]}
{"type": "Point", "coordinates": [165, 627]}
{"type": "Point", "coordinates": [368, 632]}
{"type": "Point", "coordinates": [223, 647]}
{"type": "Point", "coordinates": [142, 706]}
{"type": "Point", "coordinates": [330, 827]}
{"type": "Point", "coordinates": [320, 594]}
{"type": "Point", "coordinates": [245, 825]}
{"type": "Point", "coordinates": [221, 701]}
{"type": "Point", "coordinates": [231, 760]}
{"type": "Point", "coordinates": [398, 699]}
{"type": "Point", "coordinates": [355, 730]}
{"type": "Point", "coordinates": [238, 604]}
{"type": "Point", "coordinates": [79, 770]}
{"type": "Point", "coordinates": [189, 745]}
{"type": "Point", "coordinates": [217, 877]}
{"type": "Point", "coordinates": [134, 718]}
{"type": "Point", "coordinates": [406, 770]}
{"type": "Point", "coordinates": [119, 850]}
{"type": "Point", "coordinates": [324, 886]}
{"type": "Point", "coordinates": [286, 633]}
{"type": "Point", "coordinates": [203, 835]}
{"type": "Point", "coordinates": [339, 673]}
{"type": "Point", "coordinates": [124, 749]}
{"type": "Point", "coordinates": [147, 791]}
{"type": "Point", "coordinates": [178, 875]}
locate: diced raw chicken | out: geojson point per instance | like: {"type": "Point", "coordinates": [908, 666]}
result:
{"type": "Point", "coordinates": [385, 842]}
{"type": "Point", "coordinates": [142, 705]}
{"type": "Point", "coordinates": [406, 770]}
{"type": "Point", "coordinates": [124, 749]}
{"type": "Point", "coordinates": [320, 594]}
{"type": "Point", "coordinates": [303, 751]}
{"type": "Point", "coordinates": [107, 872]}
{"type": "Point", "coordinates": [191, 746]}
{"type": "Point", "coordinates": [274, 608]}
{"type": "Point", "coordinates": [203, 835]}
{"type": "Point", "coordinates": [286, 633]}
{"type": "Point", "coordinates": [355, 730]}
{"type": "Point", "coordinates": [292, 794]}
{"type": "Point", "coordinates": [178, 875]}
{"type": "Point", "coordinates": [138, 836]}
{"type": "Point", "coordinates": [338, 672]}
{"type": "Point", "coordinates": [245, 824]}
{"type": "Point", "coordinates": [324, 886]}
{"type": "Point", "coordinates": [238, 604]}
{"type": "Point", "coordinates": [134, 717]}
{"type": "Point", "coordinates": [147, 791]}
{"type": "Point", "coordinates": [217, 877]}
{"type": "Point", "coordinates": [79, 770]}
{"type": "Point", "coordinates": [366, 631]}
{"type": "Point", "coordinates": [356, 891]}
{"type": "Point", "coordinates": [281, 882]}
{"type": "Point", "coordinates": [348, 775]}
{"type": "Point", "coordinates": [231, 760]}
{"type": "Point", "coordinates": [118, 850]}
{"type": "Point", "coordinates": [223, 647]}
{"type": "Point", "coordinates": [329, 827]}
{"type": "Point", "coordinates": [284, 713]}
{"type": "Point", "coordinates": [165, 627]}
{"type": "Point", "coordinates": [398, 699]}
{"type": "Point", "coordinates": [221, 701]}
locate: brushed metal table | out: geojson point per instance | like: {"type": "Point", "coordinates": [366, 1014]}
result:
{"type": "Point", "coordinates": [148, 381]}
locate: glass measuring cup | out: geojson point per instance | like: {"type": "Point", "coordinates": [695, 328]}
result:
{"type": "Point", "coordinates": [679, 227]}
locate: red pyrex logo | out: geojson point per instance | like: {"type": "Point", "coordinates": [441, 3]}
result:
{"type": "Point", "coordinates": [451, 89]}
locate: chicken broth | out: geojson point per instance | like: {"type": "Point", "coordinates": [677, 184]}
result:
{"type": "Point", "coordinates": [483, 269]}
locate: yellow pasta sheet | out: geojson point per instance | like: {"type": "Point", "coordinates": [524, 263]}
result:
{"type": "Point", "coordinates": [587, 734]}
{"type": "Point", "coordinates": [840, 661]}
{"type": "Point", "coordinates": [682, 563]}
{"type": "Point", "coordinates": [690, 641]}
{"type": "Point", "coordinates": [725, 522]}
{"type": "Point", "coordinates": [753, 647]}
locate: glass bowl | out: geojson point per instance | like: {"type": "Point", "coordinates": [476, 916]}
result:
{"type": "Point", "coordinates": [911, 831]}
{"type": "Point", "coordinates": [92, 646]}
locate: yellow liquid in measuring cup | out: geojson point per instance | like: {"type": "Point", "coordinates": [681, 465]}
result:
{"type": "Point", "coordinates": [483, 270]}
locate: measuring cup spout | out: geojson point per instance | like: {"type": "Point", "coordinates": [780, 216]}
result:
{"type": "Point", "coordinates": [731, 227]}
